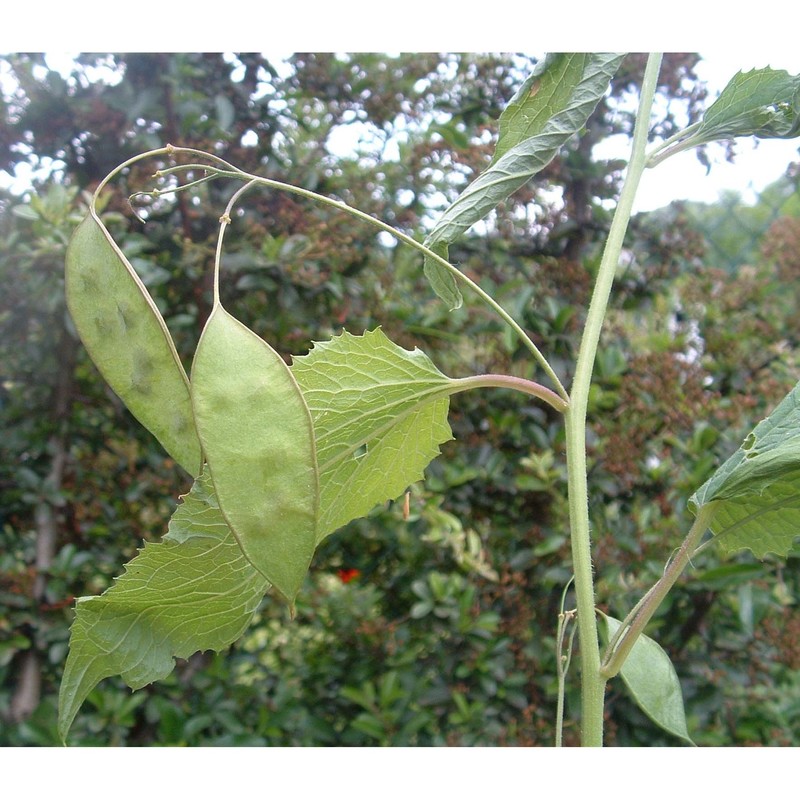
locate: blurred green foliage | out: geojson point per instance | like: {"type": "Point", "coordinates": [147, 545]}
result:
{"type": "Point", "coordinates": [438, 628]}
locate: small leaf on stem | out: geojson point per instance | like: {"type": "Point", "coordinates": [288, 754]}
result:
{"type": "Point", "coordinates": [549, 109]}
{"type": "Point", "coordinates": [764, 103]}
{"type": "Point", "coordinates": [651, 679]}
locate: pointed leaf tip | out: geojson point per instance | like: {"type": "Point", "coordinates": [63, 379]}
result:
{"type": "Point", "coordinates": [442, 281]}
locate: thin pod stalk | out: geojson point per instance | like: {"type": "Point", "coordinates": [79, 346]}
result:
{"type": "Point", "coordinates": [484, 296]}
{"type": "Point", "coordinates": [224, 222]}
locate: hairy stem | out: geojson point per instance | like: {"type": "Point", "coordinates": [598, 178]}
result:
{"type": "Point", "coordinates": [592, 682]}
{"type": "Point", "coordinates": [565, 619]}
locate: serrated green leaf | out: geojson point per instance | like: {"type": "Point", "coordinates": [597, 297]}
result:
{"type": "Point", "coordinates": [653, 683]}
{"type": "Point", "coordinates": [763, 102]}
{"type": "Point", "coordinates": [757, 490]}
{"type": "Point", "coordinates": [192, 591]}
{"type": "Point", "coordinates": [380, 415]}
{"type": "Point", "coordinates": [762, 523]}
{"type": "Point", "coordinates": [257, 437]}
{"type": "Point", "coordinates": [550, 108]}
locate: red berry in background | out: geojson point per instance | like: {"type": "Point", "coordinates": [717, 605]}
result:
{"type": "Point", "coordinates": [347, 575]}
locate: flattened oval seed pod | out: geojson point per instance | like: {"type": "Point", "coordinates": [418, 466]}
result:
{"type": "Point", "coordinates": [126, 337]}
{"type": "Point", "coordinates": [258, 440]}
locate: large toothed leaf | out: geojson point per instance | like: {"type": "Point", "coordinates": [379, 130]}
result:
{"type": "Point", "coordinates": [652, 681]}
{"type": "Point", "coordinates": [757, 490]}
{"type": "Point", "coordinates": [763, 102]}
{"type": "Point", "coordinates": [257, 438]}
{"type": "Point", "coordinates": [765, 523]}
{"type": "Point", "coordinates": [192, 591]}
{"type": "Point", "coordinates": [549, 109]}
{"type": "Point", "coordinates": [380, 415]}
{"type": "Point", "coordinates": [126, 337]}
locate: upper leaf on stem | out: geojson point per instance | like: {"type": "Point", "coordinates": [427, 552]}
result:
{"type": "Point", "coordinates": [551, 106]}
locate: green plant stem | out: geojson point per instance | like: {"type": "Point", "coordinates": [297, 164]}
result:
{"type": "Point", "coordinates": [402, 237]}
{"type": "Point", "coordinates": [565, 618]}
{"type": "Point", "coordinates": [224, 221]}
{"type": "Point", "coordinates": [124, 165]}
{"type": "Point", "coordinates": [592, 682]}
{"type": "Point", "coordinates": [562, 667]}
{"type": "Point", "coordinates": [229, 171]}
{"type": "Point", "coordinates": [634, 624]}
{"type": "Point", "coordinates": [510, 382]}
{"type": "Point", "coordinates": [676, 143]}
